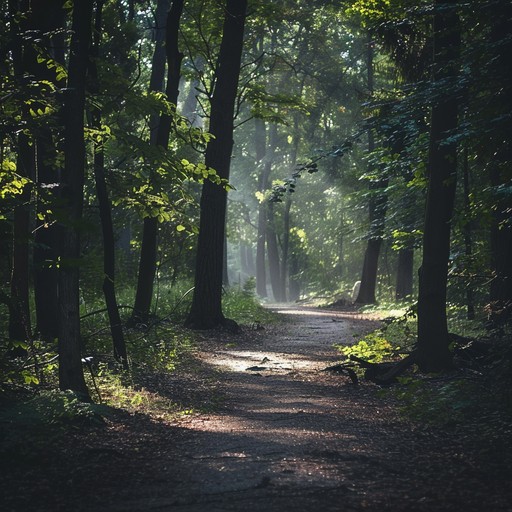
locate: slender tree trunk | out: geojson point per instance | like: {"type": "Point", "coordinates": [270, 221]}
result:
{"type": "Point", "coordinates": [190, 110]}
{"type": "Point", "coordinates": [468, 238]}
{"type": "Point", "coordinates": [206, 310]}
{"type": "Point", "coordinates": [274, 265]}
{"type": "Point", "coordinates": [433, 352]}
{"type": "Point", "coordinates": [70, 365]}
{"type": "Point", "coordinates": [225, 275]}
{"type": "Point", "coordinates": [19, 318]}
{"type": "Point", "coordinates": [285, 271]}
{"type": "Point", "coordinates": [109, 261]}
{"type": "Point", "coordinates": [273, 254]}
{"type": "Point", "coordinates": [260, 138]}
{"type": "Point", "coordinates": [377, 210]}
{"type": "Point", "coordinates": [285, 247]}
{"type": "Point", "coordinates": [148, 256]}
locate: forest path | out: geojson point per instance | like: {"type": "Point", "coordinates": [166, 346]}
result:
{"type": "Point", "coordinates": [281, 435]}
{"type": "Point", "coordinates": [290, 437]}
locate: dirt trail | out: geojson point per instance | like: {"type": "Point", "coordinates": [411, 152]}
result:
{"type": "Point", "coordinates": [284, 436]}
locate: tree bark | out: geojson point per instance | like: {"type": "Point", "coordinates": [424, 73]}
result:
{"type": "Point", "coordinates": [160, 137]}
{"type": "Point", "coordinates": [260, 140]}
{"type": "Point", "coordinates": [433, 342]}
{"type": "Point", "coordinates": [19, 318]}
{"type": "Point", "coordinates": [273, 254]}
{"type": "Point", "coordinates": [274, 265]}
{"type": "Point", "coordinates": [206, 309]}
{"type": "Point", "coordinates": [499, 171]}
{"type": "Point", "coordinates": [405, 272]}
{"type": "Point", "coordinates": [468, 238]}
{"type": "Point", "coordinates": [105, 210]}
{"type": "Point", "coordinates": [377, 213]}
{"type": "Point", "coordinates": [70, 365]}
{"type": "Point", "coordinates": [42, 21]}
{"type": "Point", "coordinates": [19, 311]}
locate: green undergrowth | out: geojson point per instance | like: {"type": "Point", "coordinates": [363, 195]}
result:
{"type": "Point", "coordinates": [475, 400]}
{"type": "Point", "coordinates": [242, 307]}
{"type": "Point", "coordinates": [394, 339]}
{"type": "Point", "coordinates": [33, 410]}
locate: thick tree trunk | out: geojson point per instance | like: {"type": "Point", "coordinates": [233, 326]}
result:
{"type": "Point", "coordinates": [405, 273]}
{"type": "Point", "coordinates": [160, 134]}
{"type": "Point", "coordinates": [19, 311]}
{"type": "Point", "coordinates": [368, 285]}
{"type": "Point", "coordinates": [499, 172]}
{"type": "Point", "coordinates": [70, 365]}
{"type": "Point", "coordinates": [294, 285]}
{"type": "Point", "coordinates": [433, 352]}
{"type": "Point", "coordinates": [206, 310]}
{"type": "Point", "coordinates": [42, 21]}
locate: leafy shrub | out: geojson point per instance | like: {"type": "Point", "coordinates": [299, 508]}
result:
{"type": "Point", "coordinates": [244, 308]}
{"type": "Point", "coordinates": [373, 348]}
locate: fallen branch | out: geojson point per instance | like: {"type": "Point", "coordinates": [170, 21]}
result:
{"type": "Point", "coordinates": [386, 373]}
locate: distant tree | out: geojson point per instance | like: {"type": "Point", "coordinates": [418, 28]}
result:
{"type": "Point", "coordinates": [260, 139]}
{"type": "Point", "coordinates": [376, 205]}
{"type": "Point", "coordinates": [206, 309]}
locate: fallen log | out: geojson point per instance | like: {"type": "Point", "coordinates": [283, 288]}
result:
{"type": "Point", "coordinates": [386, 373]}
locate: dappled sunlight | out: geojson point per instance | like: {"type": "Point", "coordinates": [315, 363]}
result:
{"type": "Point", "coordinates": [257, 361]}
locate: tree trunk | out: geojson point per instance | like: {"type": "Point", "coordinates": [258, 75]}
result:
{"type": "Point", "coordinates": [468, 239]}
{"type": "Point", "coordinates": [148, 255]}
{"type": "Point", "coordinates": [285, 271]}
{"type": "Point", "coordinates": [433, 352]}
{"type": "Point", "coordinates": [225, 274]}
{"type": "Point", "coordinates": [109, 262]}
{"type": "Point", "coordinates": [260, 139]}
{"type": "Point", "coordinates": [19, 311]}
{"type": "Point", "coordinates": [43, 21]}
{"type": "Point", "coordinates": [285, 246]}
{"type": "Point", "coordinates": [19, 318]}
{"type": "Point", "coordinates": [273, 254]}
{"type": "Point", "coordinates": [377, 212]}
{"type": "Point", "coordinates": [405, 273]}
{"type": "Point", "coordinates": [499, 172]}
{"type": "Point", "coordinates": [206, 310]}
{"type": "Point", "coordinates": [70, 365]}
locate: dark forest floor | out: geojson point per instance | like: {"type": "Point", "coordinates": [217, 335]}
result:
{"type": "Point", "coordinates": [275, 434]}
